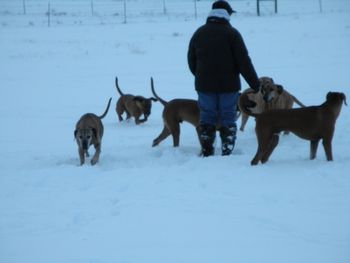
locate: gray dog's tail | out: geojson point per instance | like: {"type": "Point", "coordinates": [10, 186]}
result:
{"type": "Point", "coordinates": [155, 94]}
{"type": "Point", "coordinates": [244, 103]}
{"type": "Point", "coordinates": [117, 86]}
{"type": "Point", "coordinates": [105, 113]}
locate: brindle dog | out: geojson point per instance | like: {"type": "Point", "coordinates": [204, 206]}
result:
{"type": "Point", "coordinates": [133, 106]}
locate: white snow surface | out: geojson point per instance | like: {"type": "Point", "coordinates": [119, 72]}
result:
{"type": "Point", "coordinates": [165, 204]}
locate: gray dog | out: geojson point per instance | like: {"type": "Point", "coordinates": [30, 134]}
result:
{"type": "Point", "coordinates": [133, 106]}
{"type": "Point", "coordinates": [88, 131]}
{"type": "Point", "coordinates": [312, 123]}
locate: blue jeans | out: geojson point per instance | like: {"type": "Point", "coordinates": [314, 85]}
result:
{"type": "Point", "coordinates": [218, 108]}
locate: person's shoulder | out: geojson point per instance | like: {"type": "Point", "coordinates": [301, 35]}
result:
{"type": "Point", "coordinates": [199, 29]}
{"type": "Point", "coordinates": [233, 29]}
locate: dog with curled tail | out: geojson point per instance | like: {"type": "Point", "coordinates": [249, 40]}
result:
{"type": "Point", "coordinates": [174, 113]}
{"type": "Point", "coordinates": [133, 106]}
{"type": "Point", "coordinates": [313, 123]}
{"type": "Point", "coordinates": [89, 131]}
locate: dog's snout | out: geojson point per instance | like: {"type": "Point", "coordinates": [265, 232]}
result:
{"type": "Point", "coordinates": [85, 144]}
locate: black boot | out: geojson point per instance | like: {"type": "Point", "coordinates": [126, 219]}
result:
{"type": "Point", "coordinates": [207, 138]}
{"type": "Point", "coordinates": [228, 139]}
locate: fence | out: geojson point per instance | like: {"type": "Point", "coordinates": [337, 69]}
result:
{"type": "Point", "coordinates": [72, 12]}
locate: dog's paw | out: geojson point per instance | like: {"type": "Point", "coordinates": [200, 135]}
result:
{"type": "Point", "coordinates": [254, 162]}
{"type": "Point", "coordinates": [93, 161]}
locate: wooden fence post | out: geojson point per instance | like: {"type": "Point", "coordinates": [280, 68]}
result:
{"type": "Point", "coordinates": [92, 7]}
{"type": "Point", "coordinates": [195, 9]}
{"type": "Point", "coordinates": [164, 7]}
{"type": "Point", "coordinates": [258, 5]}
{"type": "Point", "coordinates": [24, 7]}
{"type": "Point", "coordinates": [49, 15]}
{"type": "Point", "coordinates": [320, 2]}
{"type": "Point", "coordinates": [124, 11]}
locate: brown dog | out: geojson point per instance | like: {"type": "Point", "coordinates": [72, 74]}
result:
{"type": "Point", "coordinates": [175, 112]}
{"type": "Point", "coordinates": [271, 96]}
{"type": "Point", "coordinates": [88, 131]}
{"type": "Point", "coordinates": [310, 123]}
{"type": "Point", "coordinates": [133, 106]}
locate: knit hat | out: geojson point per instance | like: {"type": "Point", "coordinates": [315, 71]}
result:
{"type": "Point", "coordinates": [221, 4]}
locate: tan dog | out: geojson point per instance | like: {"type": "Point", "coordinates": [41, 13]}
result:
{"type": "Point", "coordinates": [271, 96]}
{"type": "Point", "coordinates": [175, 112]}
{"type": "Point", "coordinates": [133, 106]}
{"type": "Point", "coordinates": [310, 123]}
{"type": "Point", "coordinates": [88, 131]}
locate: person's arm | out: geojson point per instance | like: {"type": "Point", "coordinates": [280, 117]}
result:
{"type": "Point", "coordinates": [244, 63]}
{"type": "Point", "coordinates": [191, 57]}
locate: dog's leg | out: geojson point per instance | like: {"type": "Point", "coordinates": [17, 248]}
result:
{"type": "Point", "coordinates": [128, 115]}
{"type": "Point", "coordinates": [271, 147]}
{"type": "Point", "coordinates": [96, 156]}
{"type": "Point", "coordinates": [313, 148]}
{"type": "Point", "coordinates": [139, 121]}
{"type": "Point", "coordinates": [257, 157]}
{"type": "Point", "coordinates": [164, 134]}
{"type": "Point", "coordinates": [119, 110]}
{"type": "Point", "coordinates": [142, 120]}
{"type": "Point", "coordinates": [244, 120]}
{"type": "Point", "coordinates": [81, 156]}
{"type": "Point", "coordinates": [263, 145]}
{"type": "Point", "coordinates": [327, 144]}
{"type": "Point", "coordinates": [175, 132]}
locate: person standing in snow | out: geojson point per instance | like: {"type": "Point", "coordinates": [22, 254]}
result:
{"type": "Point", "coordinates": [217, 55]}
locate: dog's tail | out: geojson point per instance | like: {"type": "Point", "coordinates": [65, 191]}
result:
{"type": "Point", "coordinates": [298, 102]}
{"type": "Point", "coordinates": [117, 86]}
{"type": "Point", "coordinates": [244, 103]}
{"type": "Point", "coordinates": [155, 94]}
{"type": "Point", "coordinates": [105, 113]}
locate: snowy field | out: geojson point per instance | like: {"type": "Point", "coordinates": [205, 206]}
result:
{"type": "Point", "coordinates": [163, 205]}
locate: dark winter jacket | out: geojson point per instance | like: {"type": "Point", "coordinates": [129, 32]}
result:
{"type": "Point", "coordinates": [217, 55]}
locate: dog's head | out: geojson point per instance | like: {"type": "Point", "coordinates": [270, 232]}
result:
{"type": "Point", "coordinates": [271, 91]}
{"type": "Point", "coordinates": [266, 80]}
{"type": "Point", "coordinates": [267, 88]}
{"type": "Point", "coordinates": [336, 97]}
{"type": "Point", "coordinates": [84, 137]}
{"type": "Point", "coordinates": [245, 103]}
{"type": "Point", "coordinates": [144, 104]}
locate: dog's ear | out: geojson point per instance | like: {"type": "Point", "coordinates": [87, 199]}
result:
{"type": "Point", "coordinates": [344, 98]}
{"type": "Point", "coordinates": [329, 94]}
{"type": "Point", "coordinates": [153, 99]}
{"type": "Point", "coordinates": [279, 89]}
{"type": "Point", "coordinates": [75, 133]}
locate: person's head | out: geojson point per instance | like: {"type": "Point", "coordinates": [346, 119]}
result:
{"type": "Point", "coordinates": [222, 4]}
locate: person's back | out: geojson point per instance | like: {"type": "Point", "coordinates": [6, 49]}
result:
{"type": "Point", "coordinates": [217, 56]}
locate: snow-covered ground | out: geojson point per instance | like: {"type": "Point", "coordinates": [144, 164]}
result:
{"type": "Point", "coordinates": [144, 204]}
